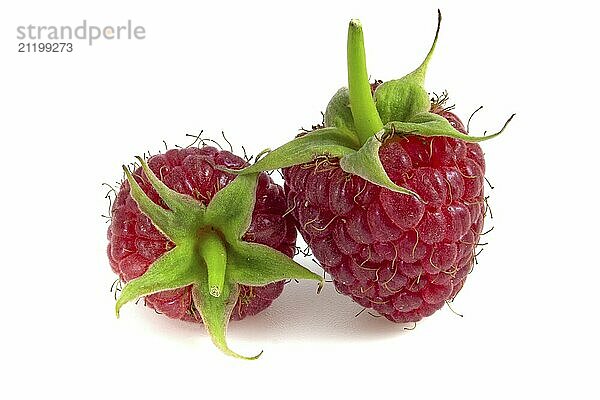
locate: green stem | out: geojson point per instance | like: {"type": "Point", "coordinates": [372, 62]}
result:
{"type": "Point", "coordinates": [364, 112]}
{"type": "Point", "coordinates": [213, 251]}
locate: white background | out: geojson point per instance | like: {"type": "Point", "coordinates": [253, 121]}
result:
{"type": "Point", "coordinates": [259, 71]}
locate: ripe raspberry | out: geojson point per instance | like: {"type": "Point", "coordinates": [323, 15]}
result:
{"type": "Point", "coordinates": [388, 193]}
{"type": "Point", "coordinates": [399, 255]}
{"type": "Point", "coordinates": [135, 243]}
{"type": "Point", "coordinates": [179, 223]}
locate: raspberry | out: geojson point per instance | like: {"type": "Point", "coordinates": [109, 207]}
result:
{"type": "Point", "coordinates": [388, 192]}
{"type": "Point", "coordinates": [399, 255]}
{"type": "Point", "coordinates": [199, 243]}
{"type": "Point", "coordinates": [135, 242]}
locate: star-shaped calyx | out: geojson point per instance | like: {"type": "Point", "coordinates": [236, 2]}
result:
{"type": "Point", "coordinates": [357, 121]}
{"type": "Point", "coordinates": [209, 252]}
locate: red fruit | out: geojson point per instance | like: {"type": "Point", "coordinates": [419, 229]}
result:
{"type": "Point", "coordinates": [199, 243]}
{"type": "Point", "coordinates": [389, 192]}
{"type": "Point", "coordinates": [392, 252]}
{"type": "Point", "coordinates": [134, 242]}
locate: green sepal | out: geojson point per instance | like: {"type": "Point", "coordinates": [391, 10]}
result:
{"type": "Point", "coordinates": [402, 99]}
{"type": "Point", "coordinates": [428, 124]}
{"type": "Point", "coordinates": [164, 220]}
{"type": "Point", "coordinates": [332, 142]}
{"type": "Point", "coordinates": [231, 208]}
{"type": "Point", "coordinates": [216, 312]}
{"type": "Point", "coordinates": [275, 266]}
{"type": "Point", "coordinates": [338, 113]}
{"type": "Point", "coordinates": [176, 268]}
{"type": "Point", "coordinates": [185, 214]}
{"type": "Point", "coordinates": [366, 163]}
{"type": "Point", "coordinates": [178, 202]}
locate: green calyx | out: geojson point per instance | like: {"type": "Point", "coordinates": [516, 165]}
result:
{"type": "Point", "coordinates": [357, 121]}
{"type": "Point", "coordinates": [209, 252]}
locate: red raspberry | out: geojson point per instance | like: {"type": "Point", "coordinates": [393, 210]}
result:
{"type": "Point", "coordinates": [135, 243]}
{"type": "Point", "coordinates": [401, 256]}
{"type": "Point", "coordinates": [388, 191]}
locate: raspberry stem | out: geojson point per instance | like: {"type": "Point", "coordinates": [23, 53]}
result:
{"type": "Point", "coordinates": [213, 251]}
{"type": "Point", "coordinates": [365, 115]}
